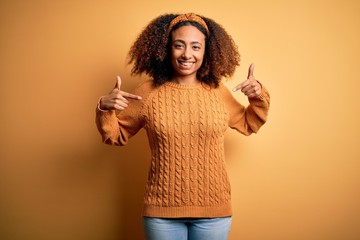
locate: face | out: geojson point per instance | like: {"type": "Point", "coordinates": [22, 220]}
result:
{"type": "Point", "coordinates": [187, 51]}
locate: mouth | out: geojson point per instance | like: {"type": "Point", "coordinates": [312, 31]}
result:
{"type": "Point", "coordinates": [186, 64]}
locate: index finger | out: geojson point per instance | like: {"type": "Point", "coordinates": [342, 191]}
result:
{"type": "Point", "coordinates": [241, 85]}
{"type": "Point", "coordinates": [129, 95]}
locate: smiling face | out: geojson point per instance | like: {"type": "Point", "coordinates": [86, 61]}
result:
{"type": "Point", "coordinates": [187, 53]}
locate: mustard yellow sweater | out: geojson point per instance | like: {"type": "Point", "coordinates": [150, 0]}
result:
{"type": "Point", "coordinates": [185, 126]}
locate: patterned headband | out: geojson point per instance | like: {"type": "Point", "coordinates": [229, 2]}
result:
{"type": "Point", "coordinates": [188, 17]}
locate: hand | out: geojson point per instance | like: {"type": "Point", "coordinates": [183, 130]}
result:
{"type": "Point", "coordinates": [117, 99]}
{"type": "Point", "coordinates": [251, 87]}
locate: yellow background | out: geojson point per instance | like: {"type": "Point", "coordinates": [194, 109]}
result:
{"type": "Point", "coordinates": [297, 179]}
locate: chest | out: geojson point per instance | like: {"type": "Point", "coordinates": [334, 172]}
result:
{"type": "Point", "coordinates": [178, 113]}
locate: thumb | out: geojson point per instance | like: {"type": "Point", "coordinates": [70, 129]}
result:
{"type": "Point", "coordinates": [118, 83]}
{"type": "Point", "coordinates": [251, 70]}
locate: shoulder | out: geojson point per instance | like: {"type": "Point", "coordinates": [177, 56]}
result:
{"type": "Point", "coordinates": [224, 90]}
{"type": "Point", "coordinates": [145, 88]}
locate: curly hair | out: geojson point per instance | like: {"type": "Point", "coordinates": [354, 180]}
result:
{"type": "Point", "coordinates": [150, 53]}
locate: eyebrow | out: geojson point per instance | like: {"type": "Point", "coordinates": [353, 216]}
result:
{"type": "Point", "coordinates": [182, 41]}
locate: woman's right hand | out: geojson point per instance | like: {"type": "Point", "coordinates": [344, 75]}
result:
{"type": "Point", "coordinates": [117, 99]}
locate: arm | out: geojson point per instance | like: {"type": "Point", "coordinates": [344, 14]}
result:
{"type": "Point", "coordinates": [117, 129]}
{"type": "Point", "coordinates": [248, 120]}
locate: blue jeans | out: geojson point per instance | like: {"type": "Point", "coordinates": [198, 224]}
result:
{"type": "Point", "coordinates": [186, 228]}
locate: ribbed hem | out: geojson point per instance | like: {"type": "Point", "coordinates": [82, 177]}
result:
{"type": "Point", "coordinates": [188, 211]}
{"type": "Point", "coordinates": [183, 86]}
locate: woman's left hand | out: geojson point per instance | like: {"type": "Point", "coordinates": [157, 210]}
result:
{"type": "Point", "coordinates": [251, 87]}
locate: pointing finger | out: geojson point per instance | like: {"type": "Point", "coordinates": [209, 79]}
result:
{"type": "Point", "coordinates": [129, 95]}
{"type": "Point", "coordinates": [251, 70]}
{"type": "Point", "coordinates": [241, 85]}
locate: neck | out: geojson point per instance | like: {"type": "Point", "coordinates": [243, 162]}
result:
{"type": "Point", "coordinates": [190, 80]}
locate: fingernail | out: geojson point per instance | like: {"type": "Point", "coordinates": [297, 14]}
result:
{"type": "Point", "coordinates": [234, 89]}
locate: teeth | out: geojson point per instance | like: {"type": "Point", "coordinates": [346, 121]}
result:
{"type": "Point", "coordinates": [186, 63]}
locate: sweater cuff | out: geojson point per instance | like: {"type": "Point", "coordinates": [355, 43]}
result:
{"type": "Point", "coordinates": [263, 100]}
{"type": "Point", "coordinates": [103, 112]}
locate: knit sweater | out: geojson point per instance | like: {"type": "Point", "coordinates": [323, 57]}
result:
{"type": "Point", "coordinates": [185, 126]}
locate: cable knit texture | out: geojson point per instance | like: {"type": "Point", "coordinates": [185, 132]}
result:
{"type": "Point", "coordinates": [185, 126]}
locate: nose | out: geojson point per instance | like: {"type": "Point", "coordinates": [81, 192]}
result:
{"type": "Point", "coordinates": [186, 54]}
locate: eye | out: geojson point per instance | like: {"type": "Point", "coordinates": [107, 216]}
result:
{"type": "Point", "coordinates": [178, 45]}
{"type": "Point", "coordinates": [195, 47]}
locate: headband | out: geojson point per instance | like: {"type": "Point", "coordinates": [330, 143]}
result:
{"type": "Point", "coordinates": [188, 17]}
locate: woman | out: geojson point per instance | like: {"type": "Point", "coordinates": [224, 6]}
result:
{"type": "Point", "coordinates": [185, 110]}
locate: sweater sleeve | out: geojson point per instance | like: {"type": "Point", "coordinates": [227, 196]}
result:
{"type": "Point", "coordinates": [117, 129]}
{"type": "Point", "coordinates": [246, 120]}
